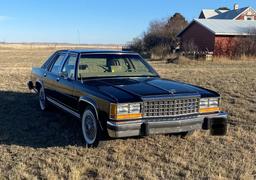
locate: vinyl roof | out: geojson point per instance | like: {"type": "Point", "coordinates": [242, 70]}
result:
{"type": "Point", "coordinates": [226, 27]}
{"type": "Point", "coordinates": [98, 51]}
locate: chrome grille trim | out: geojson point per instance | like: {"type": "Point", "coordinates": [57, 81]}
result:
{"type": "Point", "coordinates": [171, 107]}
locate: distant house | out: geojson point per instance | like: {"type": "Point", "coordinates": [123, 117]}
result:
{"type": "Point", "coordinates": [246, 13]}
{"type": "Point", "coordinates": [215, 35]}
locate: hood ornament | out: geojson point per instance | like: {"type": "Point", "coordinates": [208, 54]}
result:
{"type": "Point", "coordinates": [172, 91]}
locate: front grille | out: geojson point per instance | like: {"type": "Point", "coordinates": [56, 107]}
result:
{"type": "Point", "coordinates": [171, 107]}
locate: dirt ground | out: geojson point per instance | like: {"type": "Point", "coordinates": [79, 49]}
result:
{"type": "Point", "coordinates": [37, 145]}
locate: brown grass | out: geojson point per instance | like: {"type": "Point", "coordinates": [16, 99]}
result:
{"type": "Point", "coordinates": [50, 145]}
{"type": "Point", "coordinates": [234, 59]}
{"type": "Point", "coordinates": [30, 46]}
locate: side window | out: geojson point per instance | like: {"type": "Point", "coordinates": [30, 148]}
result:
{"type": "Point", "coordinates": [48, 62]}
{"type": "Point", "coordinates": [69, 66]}
{"type": "Point", "coordinates": [57, 65]}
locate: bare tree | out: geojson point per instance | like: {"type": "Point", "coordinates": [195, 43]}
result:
{"type": "Point", "coordinates": [160, 38]}
{"type": "Point", "coordinates": [137, 45]}
{"type": "Point", "coordinates": [190, 46]}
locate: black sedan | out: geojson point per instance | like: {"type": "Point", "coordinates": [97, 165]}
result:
{"type": "Point", "coordinates": [118, 94]}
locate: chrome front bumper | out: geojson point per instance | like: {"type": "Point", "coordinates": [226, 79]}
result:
{"type": "Point", "coordinates": [216, 123]}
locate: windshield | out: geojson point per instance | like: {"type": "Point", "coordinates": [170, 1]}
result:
{"type": "Point", "coordinates": [109, 65]}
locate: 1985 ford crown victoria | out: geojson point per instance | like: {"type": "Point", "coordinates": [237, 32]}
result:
{"type": "Point", "coordinates": [118, 94]}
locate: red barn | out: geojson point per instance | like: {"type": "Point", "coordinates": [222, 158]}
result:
{"type": "Point", "coordinates": [216, 35]}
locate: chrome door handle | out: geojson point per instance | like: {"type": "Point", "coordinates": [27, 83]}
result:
{"type": "Point", "coordinates": [58, 79]}
{"type": "Point", "coordinates": [45, 74]}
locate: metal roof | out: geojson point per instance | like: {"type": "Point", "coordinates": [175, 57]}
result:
{"type": "Point", "coordinates": [228, 27]}
{"type": "Point", "coordinates": [208, 13]}
{"type": "Point", "coordinates": [225, 27]}
{"type": "Point", "coordinates": [232, 14]}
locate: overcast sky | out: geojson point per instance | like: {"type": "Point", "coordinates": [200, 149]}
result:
{"type": "Point", "coordinates": [92, 21]}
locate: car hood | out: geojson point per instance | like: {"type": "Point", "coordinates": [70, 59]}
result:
{"type": "Point", "coordinates": [135, 89]}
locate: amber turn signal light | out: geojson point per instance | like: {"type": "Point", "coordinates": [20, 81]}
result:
{"type": "Point", "coordinates": [209, 110]}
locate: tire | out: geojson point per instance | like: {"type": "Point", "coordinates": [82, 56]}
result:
{"type": "Point", "coordinates": [90, 128]}
{"type": "Point", "coordinates": [42, 100]}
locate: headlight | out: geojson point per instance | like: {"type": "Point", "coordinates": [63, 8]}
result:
{"type": "Point", "coordinates": [134, 108]}
{"type": "Point", "coordinates": [214, 102]}
{"type": "Point", "coordinates": [125, 111]}
{"type": "Point", "coordinates": [204, 103]}
{"type": "Point", "coordinates": [208, 105]}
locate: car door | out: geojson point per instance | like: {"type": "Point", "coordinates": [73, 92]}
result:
{"type": "Point", "coordinates": [65, 82]}
{"type": "Point", "coordinates": [51, 76]}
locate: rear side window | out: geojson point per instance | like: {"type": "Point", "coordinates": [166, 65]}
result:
{"type": "Point", "coordinates": [58, 63]}
{"type": "Point", "coordinates": [69, 66]}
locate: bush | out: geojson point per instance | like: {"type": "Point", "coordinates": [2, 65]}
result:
{"type": "Point", "coordinates": [137, 45]}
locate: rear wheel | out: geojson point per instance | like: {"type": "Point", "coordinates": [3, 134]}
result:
{"type": "Point", "coordinates": [90, 128]}
{"type": "Point", "coordinates": [42, 99]}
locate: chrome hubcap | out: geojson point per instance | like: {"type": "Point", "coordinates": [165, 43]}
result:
{"type": "Point", "coordinates": [42, 99]}
{"type": "Point", "coordinates": [89, 127]}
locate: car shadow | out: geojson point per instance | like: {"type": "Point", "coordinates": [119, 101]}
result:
{"type": "Point", "coordinates": [23, 123]}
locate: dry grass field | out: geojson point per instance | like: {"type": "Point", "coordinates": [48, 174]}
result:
{"type": "Point", "coordinates": [36, 145]}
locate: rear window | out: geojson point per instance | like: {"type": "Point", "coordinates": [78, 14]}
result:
{"type": "Point", "coordinates": [48, 62]}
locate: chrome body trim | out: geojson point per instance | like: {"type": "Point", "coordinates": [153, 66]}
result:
{"type": "Point", "coordinates": [63, 107]}
{"type": "Point", "coordinates": [220, 114]}
{"type": "Point", "coordinates": [81, 99]}
{"type": "Point", "coordinates": [96, 111]}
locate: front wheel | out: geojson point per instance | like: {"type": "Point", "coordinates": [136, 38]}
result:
{"type": "Point", "coordinates": [90, 128]}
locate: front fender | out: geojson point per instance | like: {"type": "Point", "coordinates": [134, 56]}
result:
{"type": "Point", "coordinates": [91, 102]}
